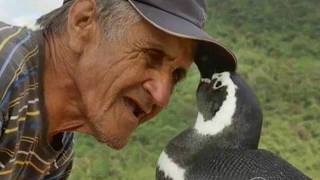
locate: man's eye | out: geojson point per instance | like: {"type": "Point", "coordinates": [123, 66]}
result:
{"type": "Point", "coordinates": [178, 75]}
{"type": "Point", "coordinates": [154, 58]}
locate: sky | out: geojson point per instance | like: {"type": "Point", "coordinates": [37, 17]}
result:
{"type": "Point", "coordinates": [25, 12]}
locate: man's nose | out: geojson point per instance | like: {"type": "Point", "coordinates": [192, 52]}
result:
{"type": "Point", "coordinates": [160, 89]}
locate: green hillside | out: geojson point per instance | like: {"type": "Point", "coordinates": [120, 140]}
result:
{"type": "Point", "coordinates": [277, 45]}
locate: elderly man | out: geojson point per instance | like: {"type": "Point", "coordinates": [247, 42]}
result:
{"type": "Point", "coordinates": [100, 67]}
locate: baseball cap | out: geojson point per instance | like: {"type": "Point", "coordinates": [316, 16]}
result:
{"type": "Point", "coordinates": [186, 19]}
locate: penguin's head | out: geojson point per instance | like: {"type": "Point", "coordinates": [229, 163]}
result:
{"type": "Point", "coordinates": [215, 80]}
{"type": "Point", "coordinates": [213, 92]}
{"type": "Point", "coordinates": [226, 103]}
{"type": "Point", "coordinates": [225, 92]}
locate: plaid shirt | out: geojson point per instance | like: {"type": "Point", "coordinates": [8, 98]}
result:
{"type": "Point", "coordinates": [24, 149]}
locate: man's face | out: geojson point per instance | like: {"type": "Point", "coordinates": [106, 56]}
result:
{"type": "Point", "coordinates": [126, 82]}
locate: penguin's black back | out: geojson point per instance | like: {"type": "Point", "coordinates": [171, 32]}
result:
{"type": "Point", "coordinates": [237, 164]}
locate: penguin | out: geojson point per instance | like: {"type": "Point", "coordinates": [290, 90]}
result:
{"type": "Point", "coordinates": [223, 142]}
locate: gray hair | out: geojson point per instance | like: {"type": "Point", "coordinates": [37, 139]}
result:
{"type": "Point", "coordinates": [114, 17]}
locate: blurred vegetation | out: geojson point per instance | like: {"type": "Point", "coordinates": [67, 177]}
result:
{"type": "Point", "coordinates": [277, 45]}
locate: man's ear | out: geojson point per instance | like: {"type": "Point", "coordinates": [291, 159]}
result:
{"type": "Point", "coordinates": [81, 24]}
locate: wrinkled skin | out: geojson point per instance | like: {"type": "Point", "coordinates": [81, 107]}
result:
{"type": "Point", "coordinates": [106, 89]}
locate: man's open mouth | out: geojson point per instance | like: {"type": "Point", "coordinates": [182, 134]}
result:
{"type": "Point", "coordinates": [136, 109]}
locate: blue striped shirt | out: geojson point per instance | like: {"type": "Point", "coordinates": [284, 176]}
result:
{"type": "Point", "coordinates": [24, 149]}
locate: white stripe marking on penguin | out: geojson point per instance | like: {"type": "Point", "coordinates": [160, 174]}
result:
{"type": "Point", "coordinates": [170, 168]}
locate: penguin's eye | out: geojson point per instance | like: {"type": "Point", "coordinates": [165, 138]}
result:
{"type": "Point", "coordinates": [217, 84]}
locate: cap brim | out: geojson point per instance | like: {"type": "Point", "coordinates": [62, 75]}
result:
{"type": "Point", "coordinates": [208, 49]}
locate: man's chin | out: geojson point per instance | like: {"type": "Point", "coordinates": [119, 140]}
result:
{"type": "Point", "coordinates": [114, 143]}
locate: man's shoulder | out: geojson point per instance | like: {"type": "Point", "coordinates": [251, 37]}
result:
{"type": "Point", "coordinates": [17, 50]}
{"type": "Point", "coordinates": [15, 42]}
{"type": "Point", "coordinates": [9, 33]}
